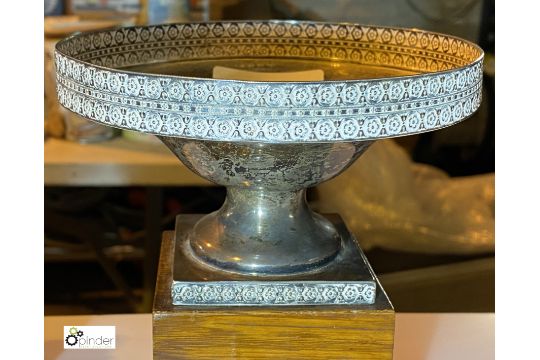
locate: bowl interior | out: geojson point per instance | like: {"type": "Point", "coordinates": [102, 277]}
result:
{"type": "Point", "coordinates": [343, 51]}
{"type": "Point", "coordinates": [333, 70]}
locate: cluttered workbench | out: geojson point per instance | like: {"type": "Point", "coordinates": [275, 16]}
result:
{"type": "Point", "coordinates": [122, 163]}
{"type": "Point", "coordinates": [119, 162]}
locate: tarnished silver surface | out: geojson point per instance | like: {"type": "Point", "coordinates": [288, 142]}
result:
{"type": "Point", "coordinates": [265, 226]}
{"type": "Point", "coordinates": [348, 280]}
{"type": "Point", "coordinates": [269, 141]}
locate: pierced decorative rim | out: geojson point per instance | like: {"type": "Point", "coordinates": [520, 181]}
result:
{"type": "Point", "coordinates": [91, 82]}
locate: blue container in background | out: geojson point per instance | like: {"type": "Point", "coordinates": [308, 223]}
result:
{"type": "Point", "coordinates": [54, 7]}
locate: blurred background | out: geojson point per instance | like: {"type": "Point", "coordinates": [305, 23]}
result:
{"type": "Point", "coordinates": [422, 206]}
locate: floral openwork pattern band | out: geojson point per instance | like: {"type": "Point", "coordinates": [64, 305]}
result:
{"type": "Point", "coordinates": [273, 293]}
{"type": "Point", "coordinates": [91, 82]}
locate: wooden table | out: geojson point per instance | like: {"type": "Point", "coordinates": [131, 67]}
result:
{"type": "Point", "coordinates": [418, 336]}
{"type": "Point", "coordinates": [117, 162]}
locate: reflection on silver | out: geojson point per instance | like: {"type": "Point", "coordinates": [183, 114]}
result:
{"type": "Point", "coordinates": [265, 225]}
{"type": "Point", "coordinates": [347, 280]}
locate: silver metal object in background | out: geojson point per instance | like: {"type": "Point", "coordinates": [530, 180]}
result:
{"type": "Point", "coordinates": [269, 141]}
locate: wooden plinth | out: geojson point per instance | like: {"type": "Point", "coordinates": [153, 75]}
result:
{"type": "Point", "coordinates": [308, 332]}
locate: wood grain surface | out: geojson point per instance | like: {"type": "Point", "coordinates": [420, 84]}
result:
{"type": "Point", "coordinates": [314, 332]}
{"type": "Point", "coordinates": [116, 162]}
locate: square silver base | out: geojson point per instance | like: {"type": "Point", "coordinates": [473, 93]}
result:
{"type": "Point", "coordinates": [348, 280]}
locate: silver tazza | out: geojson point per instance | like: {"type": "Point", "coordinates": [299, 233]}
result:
{"type": "Point", "coordinates": [269, 141]}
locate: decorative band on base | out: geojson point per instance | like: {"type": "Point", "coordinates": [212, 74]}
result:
{"type": "Point", "coordinates": [249, 293]}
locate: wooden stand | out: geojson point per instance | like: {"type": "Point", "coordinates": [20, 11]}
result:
{"type": "Point", "coordinates": [301, 332]}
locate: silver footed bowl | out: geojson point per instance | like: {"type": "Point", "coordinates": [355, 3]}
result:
{"type": "Point", "coordinates": [269, 141]}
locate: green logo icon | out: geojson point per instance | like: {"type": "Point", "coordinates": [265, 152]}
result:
{"type": "Point", "coordinates": [73, 338]}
